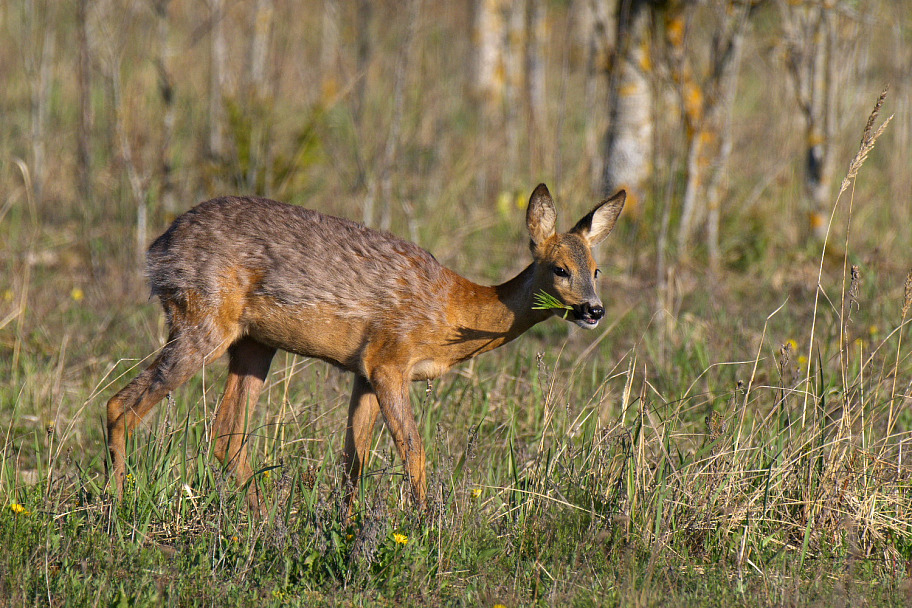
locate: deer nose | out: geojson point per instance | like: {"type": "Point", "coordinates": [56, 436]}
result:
{"type": "Point", "coordinates": [595, 312]}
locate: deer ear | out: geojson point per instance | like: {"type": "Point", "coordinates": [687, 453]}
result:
{"type": "Point", "coordinates": [598, 223]}
{"type": "Point", "coordinates": [541, 217]}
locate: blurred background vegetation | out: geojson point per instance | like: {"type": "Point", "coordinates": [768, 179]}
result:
{"type": "Point", "coordinates": [732, 123]}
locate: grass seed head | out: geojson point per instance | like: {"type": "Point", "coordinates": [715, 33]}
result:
{"type": "Point", "coordinates": [787, 369]}
{"type": "Point", "coordinates": [852, 296]}
{"type": "Point", "coordinates": [716, 425]}
{"type": "Point", "coordinates": [907, 294]}
{"type": "Point", "coordinates": [869, 126]}
{"type": "Point", "coordinates": [869, 136]}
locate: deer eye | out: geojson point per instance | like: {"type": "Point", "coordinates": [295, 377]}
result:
{"type": "Point", "coordinates": [561, 272]}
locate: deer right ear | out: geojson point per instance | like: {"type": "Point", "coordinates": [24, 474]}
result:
{"type": "Point", "coordinates": [599, 222]}
{"type": "Point", "coordinates": [541, 217]}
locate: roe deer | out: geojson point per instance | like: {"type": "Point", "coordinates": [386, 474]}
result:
{"type": "Point", "coordinates": [250, 276]}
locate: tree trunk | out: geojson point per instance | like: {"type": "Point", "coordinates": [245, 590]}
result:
{"type": "Point", "coordinates": [592, 22]}
{"type": "Point", "coordinates": [727, 62]}
{"type": "Point", "coordinates": [706, 107]}
{"type": "Point", "coordinates": [166, 89]}
{"type": "Point", "coordinates": [628, 141]}
{"type": "Point", "coordinates": [693, 110]}
{"type": "Point", "coordinates": [820, 124]}
{"type": "Point", "coordinates": [810, 36]}
{"type": "Point", "coordinates": [363, 58]}
{"type": "Point", "coordinates": [382, 185]}
{"type": "Point", "coordinates": [38, 56]}
{"type": "Point", "coordinates": [259, 46]}
{"type": "Point", "coordinates": [84, 116]}
{"type": "Point", "coordinates": [329, 50]}
{"type": "Point", "coordinates": [535, 65]}
{"type": "Point", "coordinates": [217, 58]}
{"type": "Point", "coordinates": [490, 69]}
{"type": "Point", "coordinates": [259, 97]}
{"type": "Point", "coordinates": [362, 65]}
{"type": "Point", "coordinates": [514, 46]}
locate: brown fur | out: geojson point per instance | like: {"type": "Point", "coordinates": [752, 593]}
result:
{"type": "Point", "coordinates": [250, 276]}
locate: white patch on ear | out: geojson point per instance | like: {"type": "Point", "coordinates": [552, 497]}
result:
{"type": "Point", "coordinates": [541, 218]}
{"type": "Point", "coordinates": [598, 223]}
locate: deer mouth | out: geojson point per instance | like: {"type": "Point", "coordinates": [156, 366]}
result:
{"type": "Point", "coordinates": [587, 316]}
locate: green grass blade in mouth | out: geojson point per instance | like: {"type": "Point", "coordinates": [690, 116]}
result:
{"type": "Point", "coordinates": [545, 301]}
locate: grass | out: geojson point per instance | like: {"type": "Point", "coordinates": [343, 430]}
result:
{"type": "Point", "coordinates": [733, 439]}
{"type": "Point", "coordinates": [535, 498]}
{"type": "Point", "coordinates": [545, 301]}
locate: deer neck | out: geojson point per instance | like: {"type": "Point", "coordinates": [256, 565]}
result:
{"type": "Point", "coordinates": [492, 316]}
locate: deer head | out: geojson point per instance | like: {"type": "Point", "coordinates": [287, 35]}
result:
{"type": "Point", "coordinates": [564, 266]}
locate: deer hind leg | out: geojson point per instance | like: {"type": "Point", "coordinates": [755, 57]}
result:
{"type": "Point", "coordinates": [362, 416]}
{"type": "Point", "coordinates": [247, 370]}
{"type": "Point", "coordinates": [184, 354]}
{"type": "Point", "coordinates": [392, 392]}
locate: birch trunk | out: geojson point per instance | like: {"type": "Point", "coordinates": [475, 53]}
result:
{"type": "Point", "coordinates": [166, 90]}
{"type": "Point", "coordinates": [628, 140]}
{"type": "Point", "coordinates": [490, 69]}
{"type": "Point", "coordinates": [535, 64]}
{"type": "Point", "coordinates": [810, 37]}
{"type": "Point", "coordinates": [592, 22]}
{"type": "Point", "coordinates": [329, 50]}
{"type": "Point", "coordinates": [84, 116]}
{"type": "Point", "coordinates": [728, 61]}
{"type": "Point", "coordinates": [217, 57]}
{"type": "Point", "coordinates": [383, 184]}
{"type": "Point", "coordinates": [38, 56]}
{"type": "Point", "coordinates": [514, 47]}
{"type": "Point", "coordinates": [259, 96]}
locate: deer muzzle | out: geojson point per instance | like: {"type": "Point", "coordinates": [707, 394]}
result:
{"type": "Point", "coordinates": [588, 314]}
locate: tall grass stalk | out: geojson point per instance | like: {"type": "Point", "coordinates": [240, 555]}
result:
{"type": "Point", "coordinates": [869, 138]}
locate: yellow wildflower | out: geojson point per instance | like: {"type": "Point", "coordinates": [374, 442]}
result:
{"type": "Point", "coordinates": [476, 492]}
{"type": "Point", "coordinates": [8, 295]}
{"type": "Point", "coordinates": [400, 539]}
{"type": "Point", "coordinates": [499, 606]}
{"type": "Point", "coordinates": [19, 509]}
{"type": "Point", "coordinates": [77, 294]}
{"type": "Point", "coordinates": [873, 330]}
{"type": "Point", "coordinates": [802, 360]}
{"type": "Point", "coordinates": [504, 199]}
{"type": "Point", "coordinates": [521, 199]}
{"type": "Point", "coordinates": [793, 344]}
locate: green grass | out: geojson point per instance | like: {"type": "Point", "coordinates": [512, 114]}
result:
{"type": "Point", "coordinates": [550, 483]}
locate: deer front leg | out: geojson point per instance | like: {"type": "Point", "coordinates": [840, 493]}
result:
{"type": "Point", "coordinates": [362, 415]}
{"type": "Point", "coordinates": [391, 388]}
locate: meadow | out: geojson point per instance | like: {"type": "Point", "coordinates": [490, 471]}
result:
{"type": "Point", "coordinates": [731, 436]}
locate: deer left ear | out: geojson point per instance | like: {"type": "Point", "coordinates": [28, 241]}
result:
{"type": "Point", "coordinates": [598, 223]}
